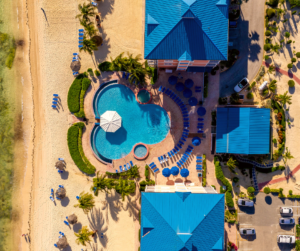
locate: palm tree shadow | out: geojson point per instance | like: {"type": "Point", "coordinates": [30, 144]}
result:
{"type": "Point", "coordinates": [94, 247]}
{"type": "Point", "coordinates": [111, 205]}
{"type": "Point", "coordinates": [96, 220]}
{"type": "Point", "coordinates": [132, 208]}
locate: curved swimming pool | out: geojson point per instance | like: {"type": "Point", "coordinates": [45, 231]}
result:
{"type": "Point", "coordinates": [148, 124]}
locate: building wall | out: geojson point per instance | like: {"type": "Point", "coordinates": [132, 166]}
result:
{"type": "Point", "coordinates": [182, 65]}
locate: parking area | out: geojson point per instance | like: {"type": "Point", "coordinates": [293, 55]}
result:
{"type": "Point", "coordinates": [264, 217]}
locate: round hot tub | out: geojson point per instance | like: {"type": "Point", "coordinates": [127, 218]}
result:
{"type": "Point", "coordinates": [144, 96]}
{"type": "Point", "coordinates": [140, 151]}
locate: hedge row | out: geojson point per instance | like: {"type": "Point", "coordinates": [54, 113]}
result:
{"type": "Point", "coordinates": [144, 183]}
{"type": "Point", "coordinates": [279, 191]}
{"type": "Point", "coordinates": [205, 91]}
{"type": "Point", "coordinates": [220, 176]}
{"type": "Point", "coordinates": [76, 151]}
{"type": "Point", "coordinates": [204, 171]}
{"type": "Point", "coordinates": [76, 95]}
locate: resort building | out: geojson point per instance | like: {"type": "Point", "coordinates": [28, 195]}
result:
{"type": "Point", "coordinates": [186, 35]}
{"type": "Point", "coordinates": [182, 221]}
{"type": "Point", "coordinates": [243, 131]}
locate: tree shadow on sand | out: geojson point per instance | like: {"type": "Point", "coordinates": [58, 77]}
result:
{"type": "Point", "coordinates": [96, 220]}
{"type": "Point", "coordinates": [131, 207]}
{"type": "Point", "coordinates": [111, 205]}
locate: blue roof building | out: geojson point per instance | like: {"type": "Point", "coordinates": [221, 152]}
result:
{"type": "Point", "coordinates": [243, 130]}
{"type": "Point", "coordinates": [192, 31]}
{"type": "Point", "coordinates": [182, 221]}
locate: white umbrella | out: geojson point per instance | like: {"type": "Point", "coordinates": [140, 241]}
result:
{"type": "Point", "coordinates": [110, 121]}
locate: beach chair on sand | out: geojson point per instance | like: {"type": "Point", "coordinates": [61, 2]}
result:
{"type": "Point", "coordinates": [120, 167]}
{"type": "Point", "coordinates": [93, 3]}
{"type": "Point", "coordinates": [170, 155]}
{"type": "Point", "coordinates": [160, 160]}
{"type": "Point", "coordinates": [54, 106]}
{"type": "Point", "coordinates": [81, 30]}
{"type": "Point", "coordinates": [125, 167]}
{"type": "Point", "coordinates": [80, 46]}
{"type": "Point", "coordinates": [131, 163]}
{"type": "Point", "coordinates": [128, 166]}
{"type": "Point", "coordinates": [81, 34]}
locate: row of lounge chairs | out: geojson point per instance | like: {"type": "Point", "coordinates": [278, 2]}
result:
{"type": "Point", "coordinates": [75, 58]}
{"type": "Point", "coordinates": [197, 88]}
{"type": "Point", "coordinates": [81, 34]}
{"type": "Point", "coordinates": [55, 102]}
{"type": "Point", "coordinates": [200, 125]}
{"type": "Point", "coordinates": [199, 163]}
{"type": "Point", "coordinates": [125, 168]}
{"type": "Point", "coordinates": [185, 156]}
{"type": "Point", "coordinates": [153, 167]}
{"type": "Point", "coordinates": [186, 123]}
{"type": "Point", "coordinates": [125, 75]}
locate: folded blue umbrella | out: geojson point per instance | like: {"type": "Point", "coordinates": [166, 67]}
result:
{"type": "Point", "coordinates": [179, 86]}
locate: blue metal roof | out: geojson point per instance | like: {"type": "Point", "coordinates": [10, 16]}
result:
{"type": "Point", "coordinates": [186, 29]}
{"type": "Point", "coordinates": [243, 130]}
{"type": "Point", "coordinates": [182, 221]}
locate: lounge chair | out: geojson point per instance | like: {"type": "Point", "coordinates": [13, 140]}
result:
{"type": "Point", "coordinates": [56, 95]}
{"type": "Point", "coordinates": [165, 157]}
{"type": "Point", "coordinates": [75, 54]}
{"type": "Point", "coordinates": [185, 130]}
{"type": "Point", "coordinates": [159, 89]}
{"type": "Point", "coordinates": [93, 3]}
{"type": "Point", "coordinates": [198, 168]}
{"type": "Point", "coordinates": [81, 34]}
{"type": "Point", "coordinates": [120, 167]}
{"type": "Point", "coordinates": [200, 119]}
{"type": "Point", "coordinates": [180, 142]}
{"type": "Point", "coordinates": [178, 164]}
{"type": "Point", "coordinates": [128, 166]}
{"type": "Point", "coordinates": [179, 146]}
{"type": "Point", "coordinates": [172, 152]}
{"type": "Point", "coordinates": [181, 162]}
{"type": "Point", "coordinates": [198, 161]}
{"type": "Point", "coordinates": [54, 106]}
{"type": "Point", "coordinates": [80, 46]}
{"type": "Point", "coordinates": [199, 157]}
{"type": "Point", "coordinates": [80, 42]}
{"type": "Point", "coordinates": [153, 167]}
{"type": "Point", "coordinates": [160, 160]}
{"type": "Point", "coordinates": [116, 171]}
{"type": "Point", "coordinates": [54, 102]}
{"type": "Point", "coordinates": [151, 164]}
{"type": "Point", "coordinates": [131, 163]}
{"type": "Point", "coordinates": [170, 155]}
{"type": "Point", "coordinates": [125, 168]}
{"type": "Point", "coordinates": [81, 30]}
{"type": "Point", "coordinates": [176, 148]}
{"type": "Point", "coordinates": [186, 119]}
{"type": "Point", "coordinates": [80, 38]}
{"type": "Point", "coordinates": [156, 170]}
{"type": "Point", "coordinates": [163, 89]}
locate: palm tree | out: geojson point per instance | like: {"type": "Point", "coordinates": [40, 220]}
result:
{"type": "Point", "coordinates": [125, 187]}
{"type": "Point", "coordinates": [88, 46]}
{"type": "Point", "coordinates": [85, 22]}
{"type": "Point", "coordinates": [133, 172]}
{"type": "Point", "coordinates": [271, 69]}
{"type": "Point", "coordinates": [285, 99]}
{"type": "Point", "coordinates": [101, 184]}
{"type": "Point", "coordinates": [86, 11]}
{"type": "Point", "coordinates": [287, 156]}
{"type": "Point", "coordinates": [118, 64]}
{"type": "Point", "coordinates": [90, 30]}
{"type": "Point", "coordinates": [86, 202]}
{"type": "Point", "coordinates": [83, 236]}
{"type": "Point", "coordinates": [231, 163]}
{"type": "Point", "coordinates": [272, 86]}
{"type": "Point", "coordinates": [137, 76]}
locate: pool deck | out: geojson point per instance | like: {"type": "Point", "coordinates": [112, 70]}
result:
{"type": "Point", "coordinates": [175, 132]}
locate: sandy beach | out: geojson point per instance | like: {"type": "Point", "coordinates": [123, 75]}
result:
{"type": "Point", "coordinates": [53, 40]}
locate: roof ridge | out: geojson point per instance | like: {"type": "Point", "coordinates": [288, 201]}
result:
{"type": "Point", "coordinates": [213, 43]}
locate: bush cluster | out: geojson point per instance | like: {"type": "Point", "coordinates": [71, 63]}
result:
{"type": "Point", "coordinates": [147, 172]}
{"type": "Point", "coordinates": [267, 190]}
{"type": "Point", "coordinates": [133, 172]}
{"type": "Point", "coordinates": [144, 183]}
{"type": "Point", "coordinates": [276, 168]}
{"type": "Point", "coordinates": [272, 3]}
{"type": "Point", "coordinates": [204, 171]}
{"type": "Point", "coordinates": [76, 95]}
{"type": "Point", "coordinates": [298, 54]}
{"type": "Point", "coordinates": [251, 191]}
{"type": "Point", "coordinates": [250, 95]}
{"type": "Point", "coordinates": [220, 176]}
{"type": "Point", "coordinates": [270, 13]}
{"type": "Point", "coordinates": [76, 151]}
{"type": "Point", "coordinates": [279, 191]}
{"type": "Point", "coordinates": [291, 83]}
{"type": "Point", "coordinates": [268, 33]}
{"type": "Point", "coordinates": [267, 47]}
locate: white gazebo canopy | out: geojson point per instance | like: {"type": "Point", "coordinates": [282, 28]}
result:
{"type": "Point", "coordinates": [110, 121]}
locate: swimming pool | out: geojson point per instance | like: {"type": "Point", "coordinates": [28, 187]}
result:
{"type": "Point", "coordinates": [148, 124]}
{"type": "Point", "coordinates": [140, 151]}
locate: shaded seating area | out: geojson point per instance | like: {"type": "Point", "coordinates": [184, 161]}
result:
{"type": "Point", "coordinates": [199, 163]}
{"type": "Point", "coordinates": [125, 168]}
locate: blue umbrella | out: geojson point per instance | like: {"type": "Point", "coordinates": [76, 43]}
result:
{"type": "Point", "coordinates": [201, 111]}
{"type": "Point", "coordinates": [184, 172]}
{"type": "Point", "coordinates": [174, 170]}
{"type": "Point", "coordinates": [189, 83]}
{"type": "Point", "coordinates": [172, 80]}
{"type": "Point", "coordinates": [179, 86]}
{"type": "Point", "coordinates": [193, 101]}
{"type": "Point", "coordinates": [196, 141]}
{"type": "Point", "coordinates": [166, 172]}
{"type": "Point", "coordinates": [187, 93]}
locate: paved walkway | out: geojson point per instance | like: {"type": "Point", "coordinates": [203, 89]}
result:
{"type": "Point", "coordinates": [270, 182]}
{"type": "Point", "coordinates": [286, 73]}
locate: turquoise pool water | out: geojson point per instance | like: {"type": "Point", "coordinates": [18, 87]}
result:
{"type": "Point", "coordinates": [143, 96]}
{"type": "Point", "coordinates": [140, 151]}
{"type": "Point", "coordinates": [148, 124]}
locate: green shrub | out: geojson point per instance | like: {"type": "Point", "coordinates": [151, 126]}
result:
{"type": "Point", "coordinates": [268, 33]}
{"type": "Point", "coordinates": [280, 194]}
{"type": "Point", "coordinates": [204, 171]}
{"type": "Point", "coordinates": [290, 66]}
{"type": "Point", "coordinates": [144, 183]}
{"type": "Point", "coordinates": [90, 70]}
{"type": "Point", "coordinates": [267, 190]}
{"type": "Point", "coordinates": [147, 172]}
{"type": "Point", "coordinates": [265, 92]}
{"type": "Point", "coordinates": [139, 235]}
{"type": "Point", "coordinates": [272, 3]}
{"type": "Point", "coordinates": [154, 75]}
{"type": "Point", "coordinates": [251, 191]}
{"type": "Point", "coordinates": [105, 66]}
{"type": "Point", "coordinates": [250, 95]}
{"type": "Point", "coordinates": [220, 176]}
{"type": "Point", "coordinates": [270, 13]}
{"type": "Point", "coordinates": [97, 73]}
{"type": "Point", "coordinates": [214, 187]}
{"type": "Point", "coordinates": [289, 41]}
{"type": "Point", "coordinates": [294, 12]}
{"type": "Point", "coordinates": [287, 34]}
{"type": "Point", "coordinates": [291, 83]}
{"type": "Point", "coordinates": [205, 91]}
{"type": "Point", "coordinates": [297, 247]}
{"type": "Point", "coordinates": [298, 54]}
{"type": "Point", "coordinates": [267, 47]}
{"type": "Point", "coordinates": [294, 60]}
{"type": "Point", "coordinates": [274, 190]}
{"type": "Point", "coordinates": [76, 151]}
{"type": "Point", "coordinates": [74, 94]}
{"type": "Point", "coordinates": [274, 141]}
{"type": "Point", "coordinates": [85, 85]}
{"type": "Point", "coordinates": [10, 58]}
{"type": "Point", "coordinates": [290, 192]}
{"type": "Point", "coordinates": [266, 57]}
